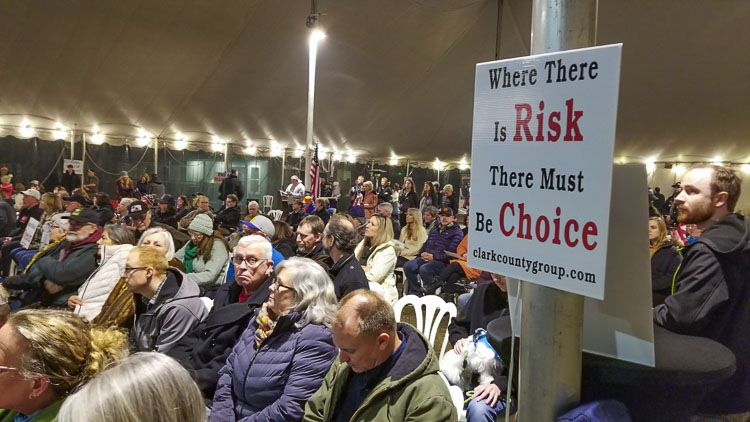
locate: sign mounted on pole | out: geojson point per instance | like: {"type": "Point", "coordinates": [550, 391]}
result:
{"type": "Point", "coordinates": [542, 146]}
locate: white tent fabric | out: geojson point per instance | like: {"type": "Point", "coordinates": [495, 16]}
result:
{"type": "Point", "coordinates": [394, 76]}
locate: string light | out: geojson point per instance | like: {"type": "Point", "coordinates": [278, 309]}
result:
{"type": "Point", "coordinates": [26, 131]}
{"type": "Point", "coordinates": [338, 156]}
{"type": "Point", "coordinates": [251, 150]}
{"type": "Point", "coordinates": [298, 152]}
{"type": "Point", "coordinates": [351, 158]}
{"type": "Point", "coordinates": [716, 161]}
{"type": "Point", "coordinates": [393, 161]}
{"type": "Point", "coordinates": [437, 164]}
{"type": "Point", "coordinates": [650, 165]}
{"type": "Point", "coordinates": [745, 168]}
{"type": "Point", "coordinates": [463, 165]}
{"type": "Point", "coordinates": [59, 132]}
{"type": "Point", "coordinates": [678, 169]}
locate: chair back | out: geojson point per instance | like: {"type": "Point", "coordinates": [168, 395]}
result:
{"type": "Point", "coordinates": [267, 202]}
{"type": "Point", "coordinates": [429, 311]}
{"type": "Point", "coordinates": [275, 214]}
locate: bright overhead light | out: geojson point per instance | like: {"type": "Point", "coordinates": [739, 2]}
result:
{"type": "Point", "coordinates": [437, 164]}
{"type": "Point", "coordinates": [716, 161]}
{"type": "Point", "coordinates": [298, 151]}
{"type": "Point", "coordinates": [317, 35]}
{"type": "Point", "coordinates": [97, 137]}
{"type": "Point", "coordinates": [59, 132]}
{"type": "Point", "coordinates": [217, 147]}
{"type": "Point", "coordinates": [650, 165]}
{"type": "Point", "coordinates": [180, 145]}
{"type": "Point", "coordinates": [180, 136]}
{"type": "Point", "coordinates": [463, 165]}
{"type": "Point", "coordinates": [393, 161]}
{"type": "Point", "coordinates": [745, 168]}
{"type": "Point", "coordinates": [26, 131]}
{"type": "Point", "coordinates": [338, 156]}
{"type": "Point", "coordinates": [251, 150]}
{"type": "Point", "coordinates": [351, 158]}
{"type": "Point", "coordinates": [678, 169]}
{"type": "Point", "coordinates": [143, 141]}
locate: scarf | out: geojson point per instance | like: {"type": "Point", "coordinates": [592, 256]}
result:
{"type": "Point", "coordinates": [191, 251]}
{"type": "Point", "coordinates": [265, 326]}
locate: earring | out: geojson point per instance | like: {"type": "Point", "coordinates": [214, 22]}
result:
{"type": "Point", "coordinates": [32, 396]}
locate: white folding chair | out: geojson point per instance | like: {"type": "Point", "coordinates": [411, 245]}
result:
{"type": "Point", "coordinates": [267, 202]}
{"type": "Point", "coordinates": [275, 214]}
{"type": "Point", "coordinates": [429, 311]}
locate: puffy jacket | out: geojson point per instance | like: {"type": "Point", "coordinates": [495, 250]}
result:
{"type": "Point", "coordinates": [348, 276]}
{"type": "Point", "coordinates": [381, 263]}
{"type": "Point", "coordinates": [228, 218]}
{"type": "Point", "coordinates": [7, 218]}
{"type": "Point", "coordinates": [273, 382]}
{"type": "Point", "coordinates": [411, 391]}
{"type": "Point", "coordinates": [204, 351]}
{"type": "Point", "coordinates": [442, 239]}
{"type": "Point", "coordinates": [177, 311]}
{"type": "Point", "coordinates": [95, 291]}
{"type": "Point", "coordinates": [450, 202]}
{"type": "Point", "coordinates": [664, 263]}
{"type": "Point", "coordinates": [156, 187]}
{"type": "Point", "coordinates": [207, 272]}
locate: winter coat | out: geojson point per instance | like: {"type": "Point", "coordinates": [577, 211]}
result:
{"type": "Point", "coordinates": [324, 215]}
{"type": "Point", "coordinates": [710, 299]}
{"type": "Point", "coordinates": [8, 188]}
{"type": "Point", "coordinates": [273, 382]}
{"type": "Point", "coordinates": [144, 188]}
{"type": "Point", "coordinates": [204, 351]}
{"type": "Point", "coordinates": [70, 181]}
{"type": "Point", "coordinates": [412, 390]}
{"type": "Point", "coordinates": [487, 303]}
{"type": "Point", "coordinates": [106, 213]}
{"type": "Point", "coordinates": [463, 247]}
{"type": "Point", "coordinates": [95, 291]}
{"type": "Point", "coordinates": [67, 265]}
{"type": "Point", "coordinates": [165, 218]}
{"type": "Point", "coordinates": [48, 414]}
{"type": "Point", "coordinates": [231, 184]}
{"type": "Point", "coordinates": [287, 247]}
{"type": "Point", "coordinates": [294, 218]}
{"type": "Point", "coordinates": [7, 218]}
{"type": "Point", "coordinates": [319, 255]}
{"type": "Point", "coordinates": [177, 311]}
{"type": "Point", "coordinates": [412, 247]}
{"type": "Point", "coordinates": [182, 212]}
{"type": "Point", "coordinates": [348, 276]}
{"type": "Point", "coordinates": [156, 187]}
{"type": "Point", "coordinates": [369, 203]}
{"type": "Point", "coordinates": [23, 218]}
{"type": "Point", "coordinates": [382, 262]}
{"type": "Point", "coordinates": [440, 240]}
{"type": "Point", "coordinates": [427, 200]}
{"type": "Point", "coordinates": [228, 218]}
{"type": "Point", "coordinates": [664, 264]}
{"type": "Point", "coordinates": [124, 187]}
{"type": "Point", "coordinates": [450, 202]}
{"type": "Point", "coordinates": [207, 272]}
{"type": "Point", "coordinates": [384, 194]}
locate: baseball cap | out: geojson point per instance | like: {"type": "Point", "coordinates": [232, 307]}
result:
{"type": "Point", "coordinates": [83, 215]}
{"type": "Point", "coordinates": [446, 211]}
{"type": "Point", "coordinates": [137, 208]}
{"type": "Point", "coordinates": [61, 220]}
{"type": "Point", "coordinates": [677, 185]}
{"type": "Point", "coordinates": [32, 192]}
{"type": "Point", "coordinates": [261, 223]}
{"type": "Point", "coordinates": [78, 198]}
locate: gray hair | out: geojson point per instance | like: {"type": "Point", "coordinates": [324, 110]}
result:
{"type": "Point", "coordinates": [385, 206]}
{"type": "Point", "coordinates": [255, 203]}
{"type": "Point", "coordinates": [119, 234]}
{"type": "Point", "coordinates": [343, 232]}
{"type": "Point", "coordinates": [169, 254]}
{"type": "Point", "coordinates": [250, 240]}
{"type": "Point", "coordinates": [314, 295]}
{"type": "Point", "coordinates": [144, 387]}
{"type": "Point", "coordinates": [126, 201]}
{"type": "Point", "coordinates": [432, 210]}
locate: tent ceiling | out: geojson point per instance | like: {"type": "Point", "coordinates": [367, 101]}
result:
{"type": "Point", "coordinates": [394, 76]}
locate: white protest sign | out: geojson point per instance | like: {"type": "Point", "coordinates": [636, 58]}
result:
{"type": "Point", "coordinates": [28, 234]}
{"type": "Point", "coordinates": [542, 147]}
{"type": "Point", "coordinates": [46, 232]}
{"type": "Point", "coordinates": [77, 165]}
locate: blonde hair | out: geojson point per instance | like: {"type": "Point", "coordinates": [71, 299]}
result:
{"type": "Point", "coordinates": [82, 192]}
{"type": "Point", "coordinates": [197, 200]}
{"type": "Point", "coordinates": [653, 247]}
{"type": "Point", "coordinates": [50, 203]}
{"type": "Point", "coordinates": [148, 179]}
{"type": "Point", "coordinates": [65, 348]}
{"type": "Point", "coordinates": [151, 257]}
{"type": "Point", "coordinates": [413, 231]}
{"type": "Point", "coordinates": [4, 306]}
{"type": "Point", "coordinates": [147, 386]}
{"type": "Point", "coordinates": [448, 187]}
{"type": "Point", "coordinates": [367, 184]}
{"type": "Point", "coordinates": [384, 234]}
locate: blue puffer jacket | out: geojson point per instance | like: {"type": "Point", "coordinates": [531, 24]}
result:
{"type": "Point", "coordinates": [274, 382]}
{"type": "Point", "coordinates": [440, 240]}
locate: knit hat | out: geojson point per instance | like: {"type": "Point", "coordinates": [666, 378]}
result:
{"type": "Point", "coordinates": [202, 224]}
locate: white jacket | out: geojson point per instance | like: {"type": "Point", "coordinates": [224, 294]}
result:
{"type": "Point", "coordinates": [95, 291]}
{"type": "Point", "coordinates": [382, 262]}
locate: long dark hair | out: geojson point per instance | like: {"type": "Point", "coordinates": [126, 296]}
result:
{"type": "Point", "coordinates": [428, 189]}
{"type": "Point", "coordinates": [206, 245]}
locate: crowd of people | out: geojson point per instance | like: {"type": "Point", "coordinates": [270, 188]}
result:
{"type": "Point", "coordinates": [231, 314]}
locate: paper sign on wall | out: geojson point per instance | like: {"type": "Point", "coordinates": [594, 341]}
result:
{"type": "Point", "coordinates": [77, 165]}
{"type": "Point", "coordinates": [542, 146]}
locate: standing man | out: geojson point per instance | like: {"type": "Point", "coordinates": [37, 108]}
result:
{"type": "Point", "coordinates": [295, 190]}
{"type": "Point", "coordinates": [70, 180]}
{"type": "Point", "coordinates": [92, 182]}
{"type": "Point", "coordinates": [231, 185]}
{"type": "Point", "coordinates": [339, 241]}
{"type": "Point", "coordinates": [711, 290]}
{"type": "Point", "coordinates": [357, 192]}
{"type": "Point", "coordinates": [671, 215]}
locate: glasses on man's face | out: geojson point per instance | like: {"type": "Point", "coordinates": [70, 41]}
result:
{"type": "Point", "coordinates": [276, 286]}
{"type": "Point", "coordinates": [130, 270]}
{"type": "Point", "coordinates": [249, 261]}
{"type": "Point", "coordinates": [8, 369]}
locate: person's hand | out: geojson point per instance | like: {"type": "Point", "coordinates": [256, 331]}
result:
{"type": "Point", "coordinates": [52, 288]}
{"type": "Point", "coordinates": [459, 346]}
{"type": "Point", "coordinates": [6, 240]}
{"type": "Point", "coordinates": [427, 256]}
{"type": "Point", "coordinates": [366, 268]}
{"type": "Point", "coordinates": [463, 257]}
{"type": "Point", "coordinates": [487, 392]}
{"type": "Point", "coordinates": [74, 301]}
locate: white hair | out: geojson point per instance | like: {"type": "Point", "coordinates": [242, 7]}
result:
{"type": "Point", "coordinates": [314, 295]}
{"type": "Point", "coordinates": [126, 201]}
{"type": "Point", "coordinates": [144, 387]}
{"type": "Point", "coordinates": [169, 254]}
{"type": "Point", "coordinates": [255, 203]}
{"type": "Point", "coordinates": [254, 239]}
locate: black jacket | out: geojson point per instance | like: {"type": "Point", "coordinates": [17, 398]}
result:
{"type": "Point", "coordinates": [450, 202]}
{"type": "Point", "coordinates": [7, 218]}
{"type": "Point", "coordinates": [228, 218]}
{"type": "Point", "coordinates": [664, 263]}
{"type": "Point", "coordinates": [294, 218]}
{"type": "Point", "coordinates": [286, 247]}
{"type": "Point", "coordinates": [319, 255]}
{"type": "Point", "coordinates": [71, 181]}
{"type": "Point", "coordinates": [324, 215]}
{"type": "Point", "coordinates": [348, 276]}
{"type": "Point", "coordinates": [23, 218]}
{"type": "Point", "coordinates": [385, 194]}
{"type": "Point", "coordinates": [487, 303]}
{"type": "Point", "coordinates": [204, 351]}
{"type": "Point", "coordinates": [165, 218]}
{"type": "Point", "coordinates": [231, 184]}
{"type": "Point", "coordinates": [106, 213]}
{"type": "Point", "coordinates": [407, 200]}
{"type": "Point", "coordinates": [712, 293]}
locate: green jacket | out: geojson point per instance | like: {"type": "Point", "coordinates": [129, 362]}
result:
{"type": "Point", "coordinates": [48, 414]}
{"type": "Point", "coordinates": [412, 390]}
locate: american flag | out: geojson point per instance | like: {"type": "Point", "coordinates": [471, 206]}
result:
{"type": "Point", "coordinates": [315, 175]}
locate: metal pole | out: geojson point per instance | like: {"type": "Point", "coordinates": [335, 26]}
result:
{"type": "Point", "coordinates": [156, 155]}
{"type": "Point", "coordinates": [83, 158]}
{"type": "Point", "coordinates": [227, 158]}
{"type": "Point", "coordinates": [283, 164]}
{"type": "Point", "coordinates": [310, 106]}
{"type": "Point", "coordinates": [552, 320]}
{"type": "Point", "coordinates": [73, 145]}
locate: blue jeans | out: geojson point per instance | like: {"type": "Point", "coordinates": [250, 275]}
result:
{"type": "Point", "coordinates": [481, 411]}
{"type": "Point", "coordinates": [419, 267]}
{"type": "Point", "coordinates": [463, 300]}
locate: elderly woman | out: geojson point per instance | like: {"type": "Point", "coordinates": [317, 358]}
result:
{"type": "Point", "coordinates": [114, 247]}
{"type": "Point", "coordinates": [369, 199]}
{"type": "Point", "coordinates": [413, 236]}
{"type": "Point", "coordinates": [377, 253]}
{"type": "Point", "coordinates": [206, 254]}
{"type": "Point", "coordinates": [46, 355]}
{"type": "Point", "coordinates": [282, 357]}
{"type": "Point", "coordinates": [200, 206]}
{"type": "Point", "coordinates": [146, 386]}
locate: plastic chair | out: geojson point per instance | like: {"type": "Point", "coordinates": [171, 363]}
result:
{"type": "Point", "coordinates": [267, 202]}
{"type": "Point", "coordinates": [429, 311]}
{"type": "Point", "coordinates": [275, 214]}
{"type": "Point", "coordinates": [399, 273]}
{"type": "Point", "coordinates": [457, 397]}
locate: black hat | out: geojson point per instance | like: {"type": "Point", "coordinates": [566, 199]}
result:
{"type": "Point", "coordinates": [78, 198]}
{"type": "Point", "coordinates": [83, 215]}
{"type": "Point", "coordinates": [677, 185]}
{"type": "Point", "coordinates": [446, 211]}
{"type": "Point", "coordinates": [166, 199]}
{"type": "Point", "coordinates": [137, 208]}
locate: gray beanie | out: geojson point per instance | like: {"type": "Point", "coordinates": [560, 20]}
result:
{"type": "Point", "coordinates": [202, 224]}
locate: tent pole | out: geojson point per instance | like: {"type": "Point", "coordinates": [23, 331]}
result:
{"type": "Point", "coordinates": [283, 164]}
{"type": "Point", "coordinates": [156, 155]}
{"type": "Point", "coordinates": [310, 107]}
{"type": "Point", "coordinates": [83, 158]}
{"type": "Point", "coordinates": [552, 320]}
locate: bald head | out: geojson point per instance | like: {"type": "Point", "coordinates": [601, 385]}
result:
{"type": "Point", "coordinates": [367, 313]}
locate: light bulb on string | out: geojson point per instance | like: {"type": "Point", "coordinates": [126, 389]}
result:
{"type": "Point", "coordinates": [26, 131]}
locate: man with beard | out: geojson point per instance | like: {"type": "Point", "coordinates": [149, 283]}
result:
{"type": "Point", "coordinates": [140, 219]}
{"type": "Point", "coordinates": [711, 290]}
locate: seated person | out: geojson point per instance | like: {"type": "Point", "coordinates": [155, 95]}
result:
{"type": "Point", "coordinates": [139, 220]}
{"type": "Point", "coordinates": [166, 213]}
{"type": "Point", "coordinates": [201, 205]}
{"type": "Point", "coordinates": [283, 355]}
{"type": "Point", "coordinates": [146, 386]}
{"type": "Point", "coordinates": [253, 209]}
{"type": "Point", "coordinates": [103, 206]}
{"type": "Point", "coordinates": [309, 234]}
{"type": "Point", "coordinates": [377, 254]}
{"type": "Point", "coordinates": [413, 236]}
{"type": "Point", "coordinates": [339, 241]}
{"type": "Point", "coordinates": [664, 260]}
{"type": "Point", "coordinates": [296, 215]}
{"type": "Point", "coordinates": [385, 371]}
{"type": "Point", "coordinates": [114, 247]}
{"type": "Point", "coordinates": [283, 239]}
{"type": "Point", "coordinates": [206, 254]}
{"type": "Point", "coordinates": [456, 270]}
{"type": "Point", "coordinates": [228, 217]}
{"type": "Point", "coordinates": [203, 352]}
{"type": "Point", "coordinates": [46, 355]}
{"type": "Point", "coordinates": [386, 209]}
{"type": "Point", "coordinates": [488, 302]}
{"type": "Point", "coordinates": [432, 258]}
{"type": "Point", "coordinates": [4, 306]}
{"type": "Point", "coordinates": [167, 306]}
{"type": "Point", "coordinates": [321, 210]}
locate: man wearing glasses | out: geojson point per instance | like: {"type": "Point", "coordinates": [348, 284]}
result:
{"type": "Point", "coordinates": [140, 219]}
{"type": "Point", "coordinates": [205, 349]}
{"type": "Point", "coordinates": [167, 304]}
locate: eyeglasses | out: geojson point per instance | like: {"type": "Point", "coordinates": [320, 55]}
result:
{"type": "Point", "coordinates": [130, 270]}
{"type": "Point", "coordinates": [195, 233]}
{"type": "Point", "coordinates": [249, 261]}
{"type": "Point", "coordinates": [8, 368]}
{"type": "Point", "coordinates": [276, 285]}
